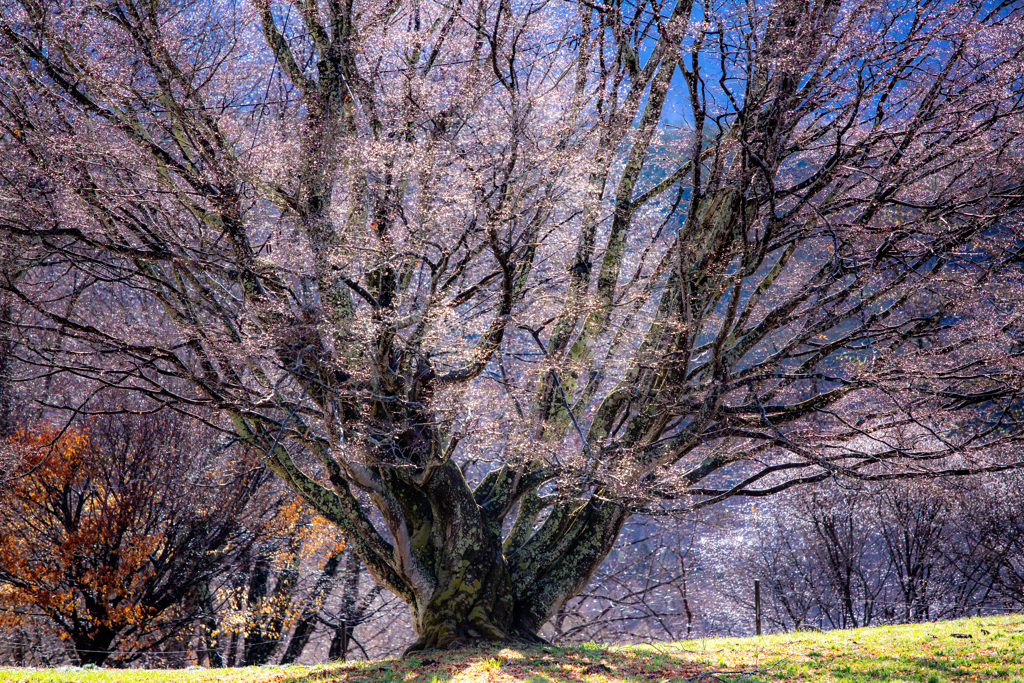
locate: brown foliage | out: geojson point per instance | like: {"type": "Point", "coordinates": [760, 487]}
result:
{"type": "Point", "coordinates": [106, 526]}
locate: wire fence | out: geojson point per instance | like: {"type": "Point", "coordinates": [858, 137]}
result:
{"type": "Point", "coordinates": [71, 654]}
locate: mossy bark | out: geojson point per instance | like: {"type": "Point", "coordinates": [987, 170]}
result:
{"type": "Point", "coordinates": [472, 599]}
{"type": "Point", "coordinates": [473, 603]}
{"type": "Point", "coordinates": [485, 592]}
{"type": "Point", "coordinates": [487, 596]}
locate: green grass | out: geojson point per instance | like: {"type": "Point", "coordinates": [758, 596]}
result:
{"type": "Point", "coordinates": [925, 653]}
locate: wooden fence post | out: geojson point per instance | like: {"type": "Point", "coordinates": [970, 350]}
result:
{"type": "Point", "coordinates": [344, 641]}
{"type": "Point", "coordinates": [757, 607]}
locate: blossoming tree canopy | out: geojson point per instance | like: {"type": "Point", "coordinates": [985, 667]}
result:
{"type": "Point", "coordinates": [511, 272]}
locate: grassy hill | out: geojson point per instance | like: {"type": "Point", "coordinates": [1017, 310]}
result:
{"type": "Point", "coordinates": [980, 649]}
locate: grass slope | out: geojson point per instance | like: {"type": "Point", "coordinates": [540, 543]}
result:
{"type": "Point", "coordinates": [980, 649]}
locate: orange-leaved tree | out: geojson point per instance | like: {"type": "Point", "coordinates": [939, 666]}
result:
{"type": "Point", "coordinates": [106, 525]}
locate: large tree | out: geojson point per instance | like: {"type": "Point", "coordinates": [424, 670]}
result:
{"type": "Point", "coordinates": [513, 272]}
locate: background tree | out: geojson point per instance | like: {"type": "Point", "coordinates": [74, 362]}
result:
{"type": "Point", "coordinates": [512, 273]}
{"type": "Point", "coordinates": [642, 591]}
{"type": "Point", "coordinates": [112, 529]}
{"type": "Point", "coordinates": [821, 556]}
{"type": "Point", "coordinates": [355, 608]}
{"type": "Point", "coordinates": [989, 553]}
{"type": "Point", "coordinates": [889, 553]}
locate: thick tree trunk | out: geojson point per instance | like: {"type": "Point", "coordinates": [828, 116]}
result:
{"type": "Point", "coordinates": [554, 567]}
{"type": "Point", "coordinates": [472, 596]}
{"type": "Point", "coordinates": [484, 594]}
{"type": "Point", "coordinates": [487, 599]}
{"type": "Point", "coordinates": [471, 604]}
{"type": "Point", "coordinates": [445, 555]}
{"type": "Point", "coordinates": [94, 647]}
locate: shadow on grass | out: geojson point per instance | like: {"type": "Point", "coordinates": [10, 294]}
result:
{"type": "Point", "coordinates": [933, 664]}
{"type": "Point", "coordinates": [527, 664]}
{"type": "Point", "coordinates": [914, 668]}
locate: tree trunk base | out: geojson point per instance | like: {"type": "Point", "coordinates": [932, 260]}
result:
{"type": "Point", "coordinates": [455, 638]}
{"type": "Point", "coordinates": [449, 635]}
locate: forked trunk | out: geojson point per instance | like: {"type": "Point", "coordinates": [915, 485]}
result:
{"type": "Point", "coordinates": [462, 581]}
